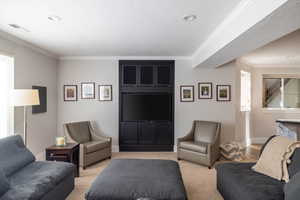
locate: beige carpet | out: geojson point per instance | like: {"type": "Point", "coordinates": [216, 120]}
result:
{"type": "Point", "coordinates": [199, 181]}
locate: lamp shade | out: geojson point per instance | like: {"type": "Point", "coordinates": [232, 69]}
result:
{"type": "Point", "coordinates": [25, 97]}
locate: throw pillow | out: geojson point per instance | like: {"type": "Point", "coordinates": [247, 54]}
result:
{"type": "Point", "coordinates": [271, 162]}
{"type": "Point", "coordinates": [265, 144]}
{"type": "Point", "coordinates": [294, 166]}
{"type": "Point", "coordinates": [4, 184]}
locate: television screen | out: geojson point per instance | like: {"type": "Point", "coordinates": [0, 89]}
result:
{"type": "Point", "coordinates": [146, 107]}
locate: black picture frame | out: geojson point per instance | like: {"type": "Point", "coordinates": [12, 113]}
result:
{"type": "Point", "coordinates": [192, 90]}
{"type": "Point", "coordinates": [228, 93]}
{"type": "Point", "coordinates": [110, 93]}
{"type": "Point", "coordinates": [210, 84]}
{"type": "Point", "coordinates": [66, 98]}
{"type": "Point", "coordinates": [83, 92]}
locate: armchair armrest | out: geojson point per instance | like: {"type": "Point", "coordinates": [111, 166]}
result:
{"type": "Point", "coordinates": [214, 147]}
{"type": "Point", "coordinates": [68, 136]}
{"type": "Point", "coordinates": [101, 137]}
{"type": "Point", "coordinates": [292, 188]}
{"type": "Point", "coordinates": [187, 137]}
{"type": "Point", "coordinates": [96, 136]}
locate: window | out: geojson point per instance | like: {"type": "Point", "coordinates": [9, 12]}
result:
{"type": "Point", "coordinates": [245, 91]}
{"type": "Point", "coordinates": [6, 85]}
{"type": "Point", "coordinates": [281, 91]}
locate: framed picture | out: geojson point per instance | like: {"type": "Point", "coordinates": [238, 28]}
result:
{"type": "Point", "coordinates": [205, 90]}
{"type": "Point", "coordinates": [187, 93]}
{"type": "Point", "coordinates": [42, 108]}
{"type": "Point", "coordinates": [105, 92]}
{"type": "Point", "coordinates": [70, 92]}
{"type": "Point", "coordinates": [88, 90]}
{"type": "Point", "coordinates": [223, 93]}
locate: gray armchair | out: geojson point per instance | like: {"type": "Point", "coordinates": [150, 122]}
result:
{"type": "Point", "coordinates": [93, 147]}
{"type": "Point", "coordinates": [201, 144]}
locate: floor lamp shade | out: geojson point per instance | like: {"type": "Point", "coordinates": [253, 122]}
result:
{"type": "Point", "coordinates": [25, 97]}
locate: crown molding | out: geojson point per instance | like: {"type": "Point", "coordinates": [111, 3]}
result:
{"type": "Point", "coordinates": [125, 58]}
{"type": "Point", "coordinates": [21, 42]}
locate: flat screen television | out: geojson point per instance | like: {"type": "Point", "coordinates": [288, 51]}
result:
{"type": "Point", "coordinates": [146, 107]}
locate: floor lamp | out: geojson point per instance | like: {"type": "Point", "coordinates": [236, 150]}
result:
{"type": "Point", "coordinates": [25, 98]}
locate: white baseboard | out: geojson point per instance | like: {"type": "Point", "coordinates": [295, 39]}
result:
{"type": "Point", "coordinates": [115, 148]}
{"type": "Point", "coordinates": [258, 140]}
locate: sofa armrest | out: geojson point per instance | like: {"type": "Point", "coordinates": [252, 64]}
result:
{"type": "Point", "coordinates": [292, 188]}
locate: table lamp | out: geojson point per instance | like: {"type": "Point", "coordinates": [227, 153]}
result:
{"type": "Point", "coordinates": [25, 98]}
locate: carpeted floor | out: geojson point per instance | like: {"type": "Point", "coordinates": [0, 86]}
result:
{"type": "Point", "coordinates": [199, 181]}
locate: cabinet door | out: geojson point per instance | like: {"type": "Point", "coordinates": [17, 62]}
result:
{"type": "Point", "coordinates": [164, 133]}
{"type": "Point", "coordinates": [129, 133]}
{"type": "Point", "coordinates": [129, 75]}
{"type": "Point", "coordinates": [164, 76]}
{"type": "Point", "coordinates": [147, 133]}
{"type": "Point", "coordinates": [146, 75]}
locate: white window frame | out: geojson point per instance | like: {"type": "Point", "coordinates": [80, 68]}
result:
{"type": "Point", "coordinates": [6, 85]}
{"type": "Point", "coordinates": [245, 91]}
{"type": "Point", "coordinates": [281, 108]}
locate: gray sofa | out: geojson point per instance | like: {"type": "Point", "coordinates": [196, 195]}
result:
{"type": "Point", "coordinates": [21, 177]}
{"type": "Point", "coordinates": [236, 181]}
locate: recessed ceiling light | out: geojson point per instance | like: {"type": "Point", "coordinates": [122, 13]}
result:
{"type": "Point", "coordinates": [54, 18]}
{"type": "Point", "coordinates": [189, 18]}
{"type": "Point", "coordinates": [16, 26]}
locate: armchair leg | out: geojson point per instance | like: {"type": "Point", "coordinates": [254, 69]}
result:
{"type": "Point", "coordinates": [178, 159]}
{"type": "Point", "coordinates": [209, 167]}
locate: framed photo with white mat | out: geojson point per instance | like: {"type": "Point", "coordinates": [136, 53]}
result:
{"type": "Point", "coordinates": [105, 93]}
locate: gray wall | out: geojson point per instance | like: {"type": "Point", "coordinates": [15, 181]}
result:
{"type": "Point", "coordinates": [33, 68]}
{"type": "Point", "coordinates": [105, 114]}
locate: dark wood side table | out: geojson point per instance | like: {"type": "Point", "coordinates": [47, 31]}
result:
{"type": "Point", "coordinates": [68, 153]}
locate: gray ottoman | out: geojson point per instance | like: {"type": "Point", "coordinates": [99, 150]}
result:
{"type": "Point", "coordinates": [133, 179]}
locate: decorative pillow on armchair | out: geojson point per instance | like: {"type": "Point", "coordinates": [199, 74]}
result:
{"type": "Point", "coordinates": [4, 184]}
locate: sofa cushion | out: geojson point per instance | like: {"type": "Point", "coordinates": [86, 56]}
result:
{"type": "Point", "coordinates": [37, 179]}
{"type": "Point", "coordinates": [93, 146]}
{"type": "Point", "coordinates": [194, 146]}
{"type": "Point", "coordinates": [79, 131]}
{"type": "Point", "coordinates": [292, 188]}
{"type": "Point", "coordinates": [205, 131]}
{"type": "Point", "coordinates": [294, 166]}
{"type": "Point", "coordinates": [14, 155]}
{"type": "Point", "coordinates": [4, 184]}
{"type": "Point", "coordinates": [236, 181]}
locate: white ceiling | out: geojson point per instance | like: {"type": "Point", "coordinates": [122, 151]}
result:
{"type": "Point", "coordinates": [284, 52]}
{"type": "Point", "coordinates": [115, 27]}
{"type": "Point", "coordinates": [253, 24]}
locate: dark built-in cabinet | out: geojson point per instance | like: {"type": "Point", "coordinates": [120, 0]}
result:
{"type": "Point", "coordinates": [146, 105]}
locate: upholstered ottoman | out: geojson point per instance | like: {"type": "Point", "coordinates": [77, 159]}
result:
{"type": "Point", "coordinates": [139, 179]}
